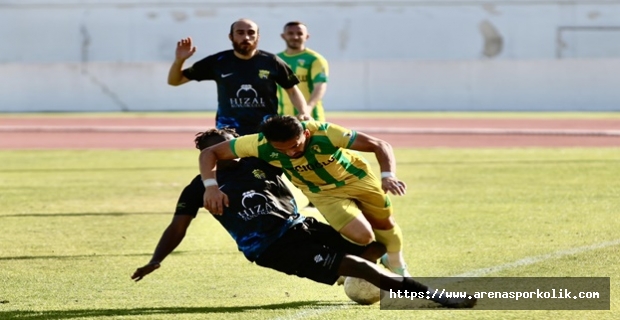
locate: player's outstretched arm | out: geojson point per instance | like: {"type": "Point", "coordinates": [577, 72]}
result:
{"type": "Point", "coordinates": [170, 239]}
{"type": "Point", "coordinates": [387, 161]}
{"type": "Point", "coordinates": [185, 49]}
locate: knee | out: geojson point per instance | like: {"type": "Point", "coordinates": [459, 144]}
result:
{"type": "Point", "coordinates": [383, 224]}
{"type": "Point", "coordinates": [375, 250]}
{"type": "Point", "coordinates": [363, 237]}
{"type": "Point", "coordinates": [358, 231]}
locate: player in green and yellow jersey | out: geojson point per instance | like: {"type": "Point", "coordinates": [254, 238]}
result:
{"type": "Point", "coordinates": [310, 68]}
{"type": "Point", "coordinates": [317, 158]}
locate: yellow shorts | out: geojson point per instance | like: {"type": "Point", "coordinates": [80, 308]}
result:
{"type": "Point", "coordinates": [341, 205]}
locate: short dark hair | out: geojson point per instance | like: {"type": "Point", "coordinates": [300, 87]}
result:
{"type": "Point", "coordinates": [281, 128]}
{"type": "Point", "coordinates": [212, 137]}
{"type": "Point", "coordinates": [294, 23]}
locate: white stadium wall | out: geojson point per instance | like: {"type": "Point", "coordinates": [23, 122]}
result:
{"type": "Point", "coordinates": [112, 55]}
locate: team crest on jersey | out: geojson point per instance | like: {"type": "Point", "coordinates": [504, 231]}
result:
{"type": "Point", "coordinates": [263, 74]}
{"type": "Point", "coordinates": [259, 174]}
{"type": "Point", "coordinates": [274, 155]}
{"type": "Point", "coordinates": [316, 149]}
{"type": "Point", "coordinates": [301, 62]}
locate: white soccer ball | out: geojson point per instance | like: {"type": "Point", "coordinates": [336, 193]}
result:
{"type": "Point", "coordinates": [361, 291]}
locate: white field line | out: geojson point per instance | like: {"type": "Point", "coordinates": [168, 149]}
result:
{"type": "Point", "coordinates": [373, 130]}
{"type": "Point", "coordinates": [477, 273]}
{"type": "Point", "coordinates": [535, 259]}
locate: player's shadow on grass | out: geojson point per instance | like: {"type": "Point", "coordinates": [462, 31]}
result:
{"type": "Point", "coordinates": [84, 214]}
{"type": "Point", "coordinates": [93, 313]}
{"type": "Point", "coordinates": [90, 256]}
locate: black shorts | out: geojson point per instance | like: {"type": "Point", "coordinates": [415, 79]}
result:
{"type": "Point", "coordinates": [310, 250]}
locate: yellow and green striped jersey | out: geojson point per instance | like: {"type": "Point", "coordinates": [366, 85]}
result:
{"type": "Point", "coordinates": [326, 163]}
{"type": "Point", "coordinates": [310, 68]}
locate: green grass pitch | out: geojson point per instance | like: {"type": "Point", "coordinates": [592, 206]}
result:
{"type": "Point", "coordinates": [74, 225]}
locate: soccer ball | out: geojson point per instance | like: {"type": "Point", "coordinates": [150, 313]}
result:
{"type": "Point", "coordinates": [361, 291]}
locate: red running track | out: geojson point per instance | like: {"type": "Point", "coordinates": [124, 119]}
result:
{"type": "Point", "coordinates": [173, 133]}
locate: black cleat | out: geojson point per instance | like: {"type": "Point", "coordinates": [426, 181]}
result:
{"type": "Point", "coordinates": [460, 303]}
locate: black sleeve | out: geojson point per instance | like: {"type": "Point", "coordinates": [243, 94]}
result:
{"type": "Point", "coordinates": [284, 74]}
{"type": "Point", "coordinates": [264, 165]}
{"type": "Point", "coordinates": [202, 70]}
{"type": "Point", "coordinates": [273, 169]}
{"type": "Point", "coordinates": [190, 200]}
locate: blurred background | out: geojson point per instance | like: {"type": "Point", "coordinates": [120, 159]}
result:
{"type": "Point", "coordinates": [439, 55]}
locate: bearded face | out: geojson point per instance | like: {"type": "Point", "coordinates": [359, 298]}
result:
{"type": "Point", "coordinates": [245, 46]}
{"type": "Point", "coordinates": [244, 37]}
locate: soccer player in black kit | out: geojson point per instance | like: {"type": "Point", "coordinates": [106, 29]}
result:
{"type": "Point", "coordinates": [247, 79]}
{"type": "Point", "coordinates": [262, 218]}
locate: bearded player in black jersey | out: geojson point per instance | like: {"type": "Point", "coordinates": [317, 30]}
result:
{"type": "Point", "coordinates": [247, 79]}
{"type": "Point", "coordinates": [262, 218]}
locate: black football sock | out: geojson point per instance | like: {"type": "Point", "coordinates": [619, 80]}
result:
{"type": "Point", "coordinates": [413, 286]}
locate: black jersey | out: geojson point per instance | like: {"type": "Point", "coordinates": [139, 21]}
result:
{"type": "Point", "coordinates": [261, 207]}
{"type": "Point", "coordinates": [246, 89]}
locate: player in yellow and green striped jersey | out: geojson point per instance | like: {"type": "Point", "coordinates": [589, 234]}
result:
{"type": "Point", "coordinates": [309, 66]}
{"type": "Point", "coordinates": [318, 158]}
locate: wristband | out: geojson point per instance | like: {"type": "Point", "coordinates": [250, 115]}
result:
{"type": "Point", "coordinates": [387, 174]}
{"type": "Point", "coordinates": [209, 182]}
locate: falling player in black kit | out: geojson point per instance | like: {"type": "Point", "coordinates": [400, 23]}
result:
{"type": "Point", "coordinates": [247, 79]}
{"type": "Point", "coordinates": [262, 218]}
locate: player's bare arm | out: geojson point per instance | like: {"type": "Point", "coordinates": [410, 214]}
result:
{"type": "Point", "coordinates": [387, 161]}
{"type": "Point", "coordinates": [185, 49]}
{"type": "Point", "coordinates": [298, 100]}
{"type": "Point", "coordinates": [317, 94]}
{"type": "Point", "coordinates": [170, 239]}
{"type": "Point", "coordinates": [214, 199]}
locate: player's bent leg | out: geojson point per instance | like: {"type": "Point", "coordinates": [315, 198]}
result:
{"type": "Point", "coordinates": [314, 250]}
{"type": "Point", "coordinates": [377, 209]}
{"type": "Point", "coordinates": [374, 251]}
{"type": "Point", "coordinates": [353, 266]}
{"type": "Point", "coordinates": [380, 223]}
{"type": "Point", "coordinates": [344, 216]}
{"type": "Point", "coordinates": [358, 231]}
{"type": "Point", "coordinates": [393, 240]}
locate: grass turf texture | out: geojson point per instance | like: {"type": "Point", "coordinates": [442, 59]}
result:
{"type": "Point", "coordinates": [74, 225]}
